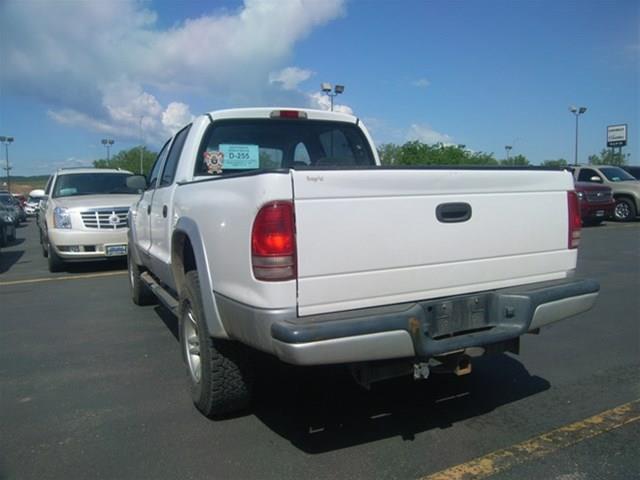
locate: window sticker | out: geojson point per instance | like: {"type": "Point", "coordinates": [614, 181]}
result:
{"type": "Point", "coordinates": [240, 156]}
{"type": "Point", "coordinates": [213, 162]}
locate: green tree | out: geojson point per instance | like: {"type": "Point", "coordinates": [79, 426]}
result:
{"type": "Point", "coordinates": [559, 163]}
{"type": "Point", "coordinates": [388, 153]}
{"type": "Point", "coordinates": [609, 157]}
{"type": "Point", "coordinates": [418, 153]}
{"type": "Point", "coordinates": [129, 160]}
{"type": "Point", "coordinates": [515, 161]}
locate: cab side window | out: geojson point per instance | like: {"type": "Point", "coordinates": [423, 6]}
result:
{"type": "Point", "coordinates": [586, 174]}
{"type": "Point", "coordinates": [47, 188]}
{"type": "Point", "coordinates": [170, 166]}
{"type": "Point", "coordinates": [155, 170]}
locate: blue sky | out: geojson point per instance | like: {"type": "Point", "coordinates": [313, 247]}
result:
{"type": "Point", "coordinates": [483, 73]}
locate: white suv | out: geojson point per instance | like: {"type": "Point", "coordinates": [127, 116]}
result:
{"type": "Point", "coordinates": [83, 215]}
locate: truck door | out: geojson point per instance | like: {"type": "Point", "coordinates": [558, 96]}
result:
{"type": "Point", "coordinates": [162, 211]}
{"type": "Point", "coordinates": [141, 219]}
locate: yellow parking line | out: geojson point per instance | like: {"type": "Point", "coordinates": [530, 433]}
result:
{"type": "Point", "coordinates": [541, 445]}
{"type": "Point", "coordinates": [68, 277]}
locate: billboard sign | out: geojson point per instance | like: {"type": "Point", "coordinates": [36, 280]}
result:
{"type": "Point", "coordinates": [617, 135]}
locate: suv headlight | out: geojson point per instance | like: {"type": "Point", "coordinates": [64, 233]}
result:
{"type": "Point", "coordinates": [61, 218]}
{"type": "Point", "coordinates": [580, 195]}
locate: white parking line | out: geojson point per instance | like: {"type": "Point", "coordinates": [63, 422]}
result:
{"type": "Point", "coordinates": [57, 279]}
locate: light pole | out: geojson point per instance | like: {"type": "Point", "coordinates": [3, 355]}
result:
{"type": "Point", "coordinates": [508, 149]}
{"type": "Point", "coordinates": [7, 141]}
{"type": "Point", "coordinates": [577, 111]}
{"type": "Point", "coordinates": [326, 89]}
{"type": "Point", "coordinates": [107, 142]}
{"type": "Point", "coordinates": [141, 146]}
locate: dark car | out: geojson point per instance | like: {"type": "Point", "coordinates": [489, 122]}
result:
{"type": "Point", "coordinates": [596, 202]}
{"type": "Point", "coordinates": [7, 226]}
{"type": "Point", "coordinates": [634, 170]}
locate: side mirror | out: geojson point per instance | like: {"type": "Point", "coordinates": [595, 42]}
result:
{"type": "Point", "coordinates": [595, 178]}
{"type": "Point", "coordinates": [137, 182]}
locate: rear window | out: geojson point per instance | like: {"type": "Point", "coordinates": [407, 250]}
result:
{"type": "Point", "coordinates": [75, 184]}
{"type": "Point", "coordinates": [233, 146]}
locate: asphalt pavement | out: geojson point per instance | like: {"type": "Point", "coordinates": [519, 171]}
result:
{"type": "Point", "coordinates": [92, 386]}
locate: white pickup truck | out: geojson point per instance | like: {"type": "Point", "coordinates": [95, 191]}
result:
{"type": "Point", "coordinates": [278, 230]}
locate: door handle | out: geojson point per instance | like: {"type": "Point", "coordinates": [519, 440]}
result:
{"type": "Point", "coordinates": [453, 212]}
{"type": "Point", "coordinates": [164, 211]}
{"type": "Point", "coordinates": [149, 209]}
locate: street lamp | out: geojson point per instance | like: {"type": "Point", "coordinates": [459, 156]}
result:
{"type": "Point", "coordinates": [141, 145]}
{"type": "Point", "coordinates": [326, 89]}
{"type": "Point", "coordinates": [577, 111]}
{"type": "Point", "coordinates": [508, 149]}
{"type": "Point", "coordinates": [107, 142]}
{"type": "Point", "coordinates": [7, 141]}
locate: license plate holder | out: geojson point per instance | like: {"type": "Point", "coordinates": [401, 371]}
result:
{"type": "Point", "coordinates": [115, 250]}
{"type": "Point", "coordinates": [600, 213]}
{"type": "Point", "coordinates": [456, 315]}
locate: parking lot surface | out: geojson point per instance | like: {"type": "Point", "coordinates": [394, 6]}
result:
{"type": "Point", "coordinates": [92, 386]}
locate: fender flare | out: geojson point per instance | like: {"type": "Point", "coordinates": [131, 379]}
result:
{"type": "Point", "coordinates": [189, 229]}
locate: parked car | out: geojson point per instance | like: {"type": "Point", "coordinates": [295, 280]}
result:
{"type": "Point", "coordinates": [13, 206]}
{"type": "Point", "coordinates": [596, 202]}
{"type": "Point", "coordinates": [83, 215]}
{"type": "Point", "coordinates": [626, 189]}
{"type": "Point", "coordinates": [7, 226]}
{"type": "Point", "coordinates": [278, 230]}
{"type": "Point", "coordinates": [33, 202]}
{"type": "Point", "coordinates": [634, 170]}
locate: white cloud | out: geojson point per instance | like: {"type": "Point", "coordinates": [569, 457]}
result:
{"type": "Point", "coordinates": [176, 116]}
{"type": "Point", "coordinates": [426, 134]}
{"type": "Point", "coordinates": [421, 83]}
{"type": "Point", "coordinates": [289, 78]}
{"type": "Point", "coordinates": [103, 65]}
{"type": "Point", "coordinates": [323, 102]}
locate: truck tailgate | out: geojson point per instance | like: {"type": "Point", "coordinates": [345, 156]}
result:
{"type": "Point", "coordinates": [373, 237]}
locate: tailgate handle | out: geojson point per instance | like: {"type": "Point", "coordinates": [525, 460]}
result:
{"type": "Point", "coordinates": [453, 212]}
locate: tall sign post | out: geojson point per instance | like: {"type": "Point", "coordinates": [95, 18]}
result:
{"type": "Point", "coordinates": [617, 137]}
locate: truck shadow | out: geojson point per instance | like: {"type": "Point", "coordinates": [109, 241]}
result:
{"type": "Point", "coordinates": [323, 409]}
{"type": "Point", "coordinates": [8, 258]}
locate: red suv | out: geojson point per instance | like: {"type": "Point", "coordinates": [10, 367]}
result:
{"type": "Point", "coordinates": [596, 202]}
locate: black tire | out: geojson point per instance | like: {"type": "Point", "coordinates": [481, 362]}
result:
{"type": "Point", "coordinates": [226, 374]}
{"type": "Point", "coordinates": [140, 293]}
{"type": "Point", "coordinates": [56, 264]}
{"type": "Point", "coordinates": [45, 252]}
{"type": "Point", "coordinates": [12, 237]}
{"type": "Point", "coordinates": [4, 238]}
{"type": "Point", "coordinates": [625, 210]}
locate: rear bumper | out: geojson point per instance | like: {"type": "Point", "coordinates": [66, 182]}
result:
{"type": "Point", "coordinates": [418, 329]}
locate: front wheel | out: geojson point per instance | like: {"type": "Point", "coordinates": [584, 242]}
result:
{"type": "Point", "coordinates": [140, 293]}
{"type": "Point", "coordinates": [625, 210]}
{"type": "Point", "coordinates": [4, 236]}
{"type": "Point", "coordinates": [219, 371]}
{"type": "Point", "coordinates": [56, 264]}
{"type": "Point", "coordinates": [45, 251]}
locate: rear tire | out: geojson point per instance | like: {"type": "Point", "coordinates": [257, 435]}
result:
{"type": "Point", "coordinates": [625, 210]}
{"type": "Point", "coordinates": [140, 293]}
{"type": "Point", "coordinates": [55, 262]}
{"type": "Point", "coordinates": [219, 371]}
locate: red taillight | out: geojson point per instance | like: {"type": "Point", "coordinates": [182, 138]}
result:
{"type": "Point", "coordinates": [273, 243]}
{"type": "Point", "coordinates": [575, 222]}
{"type": "Point", "coordinates": [288, 114]}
